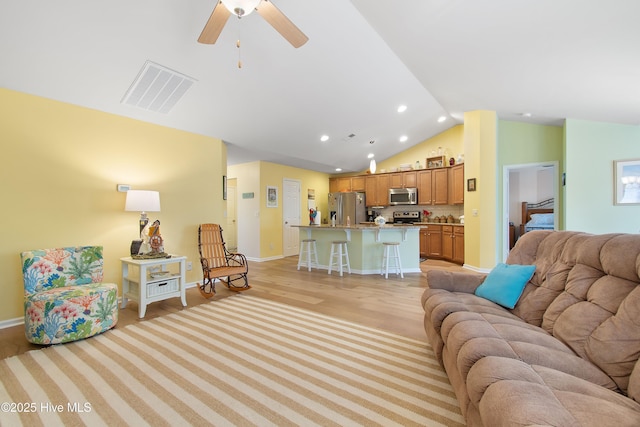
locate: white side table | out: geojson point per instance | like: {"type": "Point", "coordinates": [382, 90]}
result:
{"type": "Point", "coordinates": [145, 286]}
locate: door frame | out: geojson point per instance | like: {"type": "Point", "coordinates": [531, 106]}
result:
{"type": "Point", "coordinates": [506, 170]}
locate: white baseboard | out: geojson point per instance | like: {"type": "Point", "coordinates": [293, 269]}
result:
{"type": "Point", "coordinates": [9, 323]}
{"type": "Point", "coordinates": [476, 269]}
{"type": "Point", "coordinates": [265, 259]}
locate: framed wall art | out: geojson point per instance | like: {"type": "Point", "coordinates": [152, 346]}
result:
{"type": "Point", "coordinates": [471, 184]}
{"type": "Point", "coordinates": [224, 187]}
{"type": "Point", "coordinates": [272, 197]}
{"type": "Point", "coordinates": [626, 178]}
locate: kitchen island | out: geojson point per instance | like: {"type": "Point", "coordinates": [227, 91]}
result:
{"type": "Point", "coordinates": [365, 245]}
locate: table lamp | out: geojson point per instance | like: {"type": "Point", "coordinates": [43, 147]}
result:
{"type": "Point", "coordinates": [142, 201]}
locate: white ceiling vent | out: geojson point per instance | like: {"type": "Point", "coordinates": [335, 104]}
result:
{"type": "Point", "coordinates": [157, 88]}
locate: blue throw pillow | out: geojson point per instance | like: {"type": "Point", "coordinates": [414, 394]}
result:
{"type": "Point", "coordinates": [505, 283]}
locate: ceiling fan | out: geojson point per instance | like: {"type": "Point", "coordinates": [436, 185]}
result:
{"type": "Point", "coordinates": [224, 8]}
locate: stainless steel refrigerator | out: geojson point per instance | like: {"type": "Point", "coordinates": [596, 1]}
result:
{"type": "Point", "coordinates": [344, 205]}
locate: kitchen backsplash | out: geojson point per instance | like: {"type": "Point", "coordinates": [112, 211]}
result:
{"type": "Point", "coordinates": [436, 210]}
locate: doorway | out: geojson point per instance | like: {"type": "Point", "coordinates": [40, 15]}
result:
{"type": "Point", "coordinates": [532, 183]}
{"type": "Point", "coordinates": [231, 229]}
{"type": "Point", "coordinates": [290, 216]}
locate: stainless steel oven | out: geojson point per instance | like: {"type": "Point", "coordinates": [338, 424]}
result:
{"type": "Point", "coordinates": [403, 196]}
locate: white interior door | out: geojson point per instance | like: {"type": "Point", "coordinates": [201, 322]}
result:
{"type": "Point", "coordinates": [231, 230]}
{"type": "Point", "coordinates": [291, 216]}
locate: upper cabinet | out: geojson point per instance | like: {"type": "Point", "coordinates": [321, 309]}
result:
{"type": "Point", "coordinates": [437, 186]}
{"type": "Point", "coordinates": [377, 190]}
{"type": "Point", "coordinates": [456, 187]}
{"type": "Point", "coordinates": [433, 186]}
{"type": "Point", "coordinates": [357, 183]}
{"type": "Point", "coordinates": [349, 183]}
{"type": "Point", "coordinates": [404, 180]}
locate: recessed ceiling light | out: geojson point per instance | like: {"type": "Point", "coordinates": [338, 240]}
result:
{"type": "Point", "coordinates": [324, 138]}
{"type": "Point", "coordinates": [404, 138]}
{"type": "Point", "coordinates": [526, 114]}
{"type": "Point", "coordinates": [338, 169]}
{"type": "Point", "coordinates": [442, 119]}
{"type": "Point", "coordinates": [370, 156]}
{"type": "Point", "coordinates": [402, 109]}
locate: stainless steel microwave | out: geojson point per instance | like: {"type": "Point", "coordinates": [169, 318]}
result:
{"type": "Point", "coordinates": [403, 196]}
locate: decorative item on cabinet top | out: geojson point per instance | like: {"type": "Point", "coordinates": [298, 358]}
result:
{"type": "Point", "coordinates": [435, 162]}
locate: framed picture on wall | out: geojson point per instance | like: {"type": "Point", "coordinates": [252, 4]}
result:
{"type": "Point", "coordinates": [471, 184]}
{"type": "Point", "coordinates": [626, 178]}
{"type": "Point", "coordinates": [224, 187]}
{"type": "Point", "coordinates": [272, 197]}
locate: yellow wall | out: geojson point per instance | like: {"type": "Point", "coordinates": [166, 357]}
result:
{"type": "Point", "coordinates": [451, 140]}
{"type": "Point", "coordinates": [481, 234]}
{"type": "Point", "coordinates": [255, 219]}
{"type": "Point", "coordinates": [59, 169]}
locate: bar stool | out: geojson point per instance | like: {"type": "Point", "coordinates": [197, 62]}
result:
{"type": "Point", "coordinates": [340, 253]}
{"type": "Point", "coordinates": [307, 250]}
{"type": "Point", "coordinates": [387, 256]}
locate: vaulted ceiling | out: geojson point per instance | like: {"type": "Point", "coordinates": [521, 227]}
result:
{"type": "Point", "coordinates": [539, 61]}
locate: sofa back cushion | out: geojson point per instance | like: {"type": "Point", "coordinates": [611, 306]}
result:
{"type": "Point", "coordinates": [542, 248]}
{"type": "Point", "coordinates": [45, 269]}
{"type": "Point", "coordinates": [598, 313]}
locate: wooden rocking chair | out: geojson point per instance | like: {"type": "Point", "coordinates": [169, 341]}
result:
{"type": "Point", "coordinates": [218, 263]}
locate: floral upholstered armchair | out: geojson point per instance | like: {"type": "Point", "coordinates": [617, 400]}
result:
{"type": "Point", "coordinates": [64, 297]}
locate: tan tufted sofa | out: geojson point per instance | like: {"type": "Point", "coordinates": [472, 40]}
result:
{"type": "Point", "coordinates": [566, 355]}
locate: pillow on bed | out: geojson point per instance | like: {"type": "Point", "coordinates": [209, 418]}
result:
{"type": "Point", "coordinates": [541, 219]}
{"type": "Point", "coordinates": [505, 283]}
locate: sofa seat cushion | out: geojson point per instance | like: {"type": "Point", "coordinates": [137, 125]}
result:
{"type": "Point", "coordinates": [69, 313]}
{"type": "Point", "coordinates": [470, 337]}
{"type": "Point", "coordinates": [439, 303]}
{"type": "Point", "coordinates": [512, 392]}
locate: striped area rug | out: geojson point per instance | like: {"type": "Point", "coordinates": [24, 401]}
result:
{"type": "Point", "coordinates": [237, 361]}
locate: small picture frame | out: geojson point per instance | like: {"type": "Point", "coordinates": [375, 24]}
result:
{"type": "Point", "coordinates": [626, 178]}
{"type": "Point", "coordinates": [471, 184]}
{"type": "Point", "coordinates": [224, 187]}
{"type": "Point", "coordinates": [272, 197]}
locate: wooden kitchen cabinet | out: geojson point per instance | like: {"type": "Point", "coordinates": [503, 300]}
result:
{"type": "Point", "coordinates": [348, 183]}
{"type": "Point", "coordinates": [447, 241]}
{"type": "Point", "coordinates": [424, 187]}
{"type": "Point", "coordinates": [433, 186]}
{"type": "Point", "coordinates": [458, 245]}
{"type": "Point", "coordinates": [431, 241]}
{"type": "Point", "coordinates": [337, 185]}
{"type": "Point", "coordinates": [403, 180]}
{"type": "Point", "coordinates": [456, 185]}
{"type": "Point", "coordinates": [440, 187]}
{"type": "Point", "coordinates": [376, 190]}
{"type": "Point", "coordinates": [357, 183]}
{"type": "Point", "coordinates": [442, 242]}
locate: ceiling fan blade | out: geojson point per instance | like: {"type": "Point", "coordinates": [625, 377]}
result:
{"type": "Point", "coordinates": [281, 23]}
{"type": "Point", "coordinates": [215, 24]}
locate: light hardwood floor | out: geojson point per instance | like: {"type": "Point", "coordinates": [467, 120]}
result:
{"type": "Point", "coordinates": [392, 304]}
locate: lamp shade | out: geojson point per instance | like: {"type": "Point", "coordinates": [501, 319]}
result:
{"type": "Point", "coordinates": [142, 201]}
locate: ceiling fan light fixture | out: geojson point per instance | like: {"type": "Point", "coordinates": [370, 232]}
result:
{"type": "Point", "coordinates": [241, 8]}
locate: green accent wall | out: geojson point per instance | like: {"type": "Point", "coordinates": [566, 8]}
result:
{"type": "Point", "coordinates": [591, 149]}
